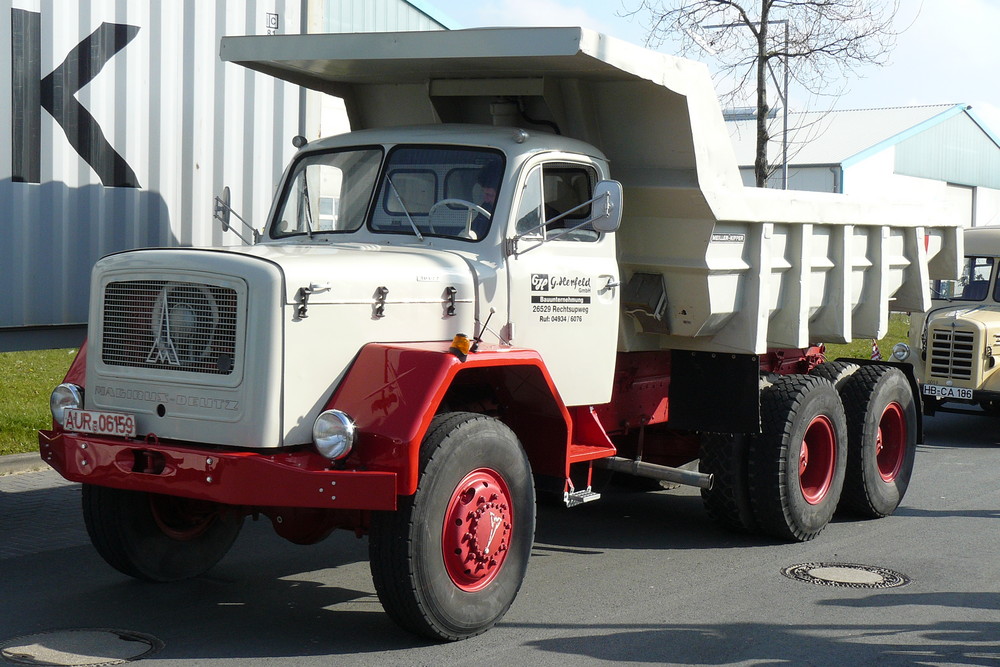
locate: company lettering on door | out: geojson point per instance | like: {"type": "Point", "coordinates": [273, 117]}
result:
{"type": "Point", "coordinates": [568, 298]}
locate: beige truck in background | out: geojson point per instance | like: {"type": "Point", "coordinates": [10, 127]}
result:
{"type": "Point", "coordinates": [954, 346]}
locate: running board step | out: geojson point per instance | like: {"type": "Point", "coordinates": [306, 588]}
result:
{"type": "Point", "coordinates": [574, 498]}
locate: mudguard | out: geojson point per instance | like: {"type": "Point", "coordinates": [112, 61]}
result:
{"type": "Point", "coordinates": [392, 392]}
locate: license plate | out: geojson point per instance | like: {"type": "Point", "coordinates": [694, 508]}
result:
{"type": "Point", "coordinates": [947, 392]}
{"type": "Point", "coordinates": [101, 423]}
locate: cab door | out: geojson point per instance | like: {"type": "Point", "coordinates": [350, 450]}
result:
{"type": "Point", "coordinates": [563, 280]}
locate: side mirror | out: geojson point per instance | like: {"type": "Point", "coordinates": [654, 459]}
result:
{"type": "Point", "coordinates": [607, 210]}
{"type": "Point", "coordinates": [222, 213]}
{"type": "Point", "coordinates": [222, 208]}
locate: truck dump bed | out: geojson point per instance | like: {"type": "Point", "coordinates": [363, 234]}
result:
{"type": "Point", "coordinates": [742, 269]}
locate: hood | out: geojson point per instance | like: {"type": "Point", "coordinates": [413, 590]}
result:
{"type": "Point", "coordinates": [352, 273]}
{"type": "Point", "coordinates": [982, 314]}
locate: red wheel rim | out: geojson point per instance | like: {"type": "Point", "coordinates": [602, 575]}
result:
{"type": "Point", "coordinates": [890, 443]}
{"type": "Point", "coordinates": [181, 519]}
{"type": "Point", "coordinates": [477, 529]}
{"type": "Point", "coordinates": [817, 460]}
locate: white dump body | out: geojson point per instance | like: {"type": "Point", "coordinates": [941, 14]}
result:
{"type": "Point", "coordinates": [742, 269]}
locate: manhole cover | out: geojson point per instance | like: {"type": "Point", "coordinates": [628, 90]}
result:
{"type": "Point", "coordinates": [848, 575]}
{"type": "Point", "coordinates": [79, 647]}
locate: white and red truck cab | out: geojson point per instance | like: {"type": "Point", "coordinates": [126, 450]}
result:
{"type": "Point", "coordinates": [458, 299]}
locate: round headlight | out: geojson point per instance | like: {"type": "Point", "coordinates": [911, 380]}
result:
{"type": "Point", "coordinates": [900, 351]}
{"type": "Point", "coordinates": [333, 434]}
{"type": "Point", "coordinates": [65, 397]}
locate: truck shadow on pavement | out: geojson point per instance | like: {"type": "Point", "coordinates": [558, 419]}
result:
{"type": "Point", "coordinates": [975, 430]}
{"type": "Point", "coordinates": [951, 642]}
{"type": "Point", "coordinates": [267, 598]}
{"type": "Point", "coordinates": [626, 519]}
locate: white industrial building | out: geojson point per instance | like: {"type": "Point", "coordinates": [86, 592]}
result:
{"type": "Point", "coordinates": [123, 124]}
{"type": "Point", "coordinates": [944, 150]}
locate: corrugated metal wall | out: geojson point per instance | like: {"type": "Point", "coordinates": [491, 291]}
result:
{"type": "Point", "coordinates": [375, 16]}
{"type": "Point", "coordinates": [956, 151]}
{"type": "Point", "coordinates": [123, 125]}
{"type": "Point", "coordinates": [326, 115]}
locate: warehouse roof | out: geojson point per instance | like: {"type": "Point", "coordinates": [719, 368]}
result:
{"type": "Point", "coordinates": [842, 137]}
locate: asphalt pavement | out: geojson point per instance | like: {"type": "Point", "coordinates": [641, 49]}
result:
{"type": "Point", "coordinates": [637, 578]}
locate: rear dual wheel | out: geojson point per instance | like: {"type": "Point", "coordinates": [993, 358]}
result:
{"type": "Point", "coordinates": [724, 456]}
{"type": "Point", "coordinates": [837, 372]}
{"type": "Point", "coordinates": [843, 437]}
{"type": "Point", "coordinates": [882, 430]}
{"type": "Point", "coordinates": [796, 465]}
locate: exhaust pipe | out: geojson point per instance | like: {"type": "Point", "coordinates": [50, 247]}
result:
{"type": "Point", "coordinates": [653, 471]}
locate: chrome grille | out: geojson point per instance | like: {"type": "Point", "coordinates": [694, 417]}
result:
{"type": "Point", "coordinates": [181, 326]}
{"type": "Point", "coordinates": [952, 353]}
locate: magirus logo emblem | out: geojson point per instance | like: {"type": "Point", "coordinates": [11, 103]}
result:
{"type": "Point", "coordinates": [183, 322]}
{"type": "Point", "coordinates": [163, 351]}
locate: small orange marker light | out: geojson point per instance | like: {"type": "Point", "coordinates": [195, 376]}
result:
{"type": "Point", "coordinates": [460, 346]}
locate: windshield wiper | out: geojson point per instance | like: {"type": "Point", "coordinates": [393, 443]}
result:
{"type": "Point", "coordinates": [308, 208]}
{"type": "Point", "coordinates": [406, 212]}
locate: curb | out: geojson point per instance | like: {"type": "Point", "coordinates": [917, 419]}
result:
{"type": "Point", "coordinates": [17, 463]}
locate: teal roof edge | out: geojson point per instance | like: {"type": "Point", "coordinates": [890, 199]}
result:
{"type": "Point", "coordinates": [987, 131]}
{"type": "Point", "coordinates": [906, 134]}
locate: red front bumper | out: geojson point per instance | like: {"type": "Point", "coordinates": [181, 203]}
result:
{"type": "Point", "coordinates": [288, 479]}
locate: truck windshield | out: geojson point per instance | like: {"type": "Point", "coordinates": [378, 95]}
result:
{"type": "Point", "coordinates": [974, 285]}
{"type": "Point", "coordinates": [328, 192]}
{"type": "Point", "coordinates": [438, 191]}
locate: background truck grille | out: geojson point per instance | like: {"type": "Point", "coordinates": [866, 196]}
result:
{"type": "Point", "coordinates": [180, 326]}
{"type": "Point", "coordinates": [952, 353]}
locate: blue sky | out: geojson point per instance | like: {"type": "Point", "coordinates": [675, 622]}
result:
{"type": "Point", "coordinates": [949, 54]}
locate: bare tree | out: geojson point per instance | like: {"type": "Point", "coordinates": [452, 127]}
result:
{"type": "Point", "coordinates": [816, 42]}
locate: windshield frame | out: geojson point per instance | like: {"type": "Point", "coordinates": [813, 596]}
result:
{"type": "Point", "coordinates": [295, 168]}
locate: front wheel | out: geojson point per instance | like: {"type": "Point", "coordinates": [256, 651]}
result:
{"type": "Point", "coordinates": [882, 427]}
{"type": "Point", "coordinates": [798, 461]}
{"type": "Point", "coordinates": [448, 563]}
{"type": "Point", "coordinates": [156, 537]}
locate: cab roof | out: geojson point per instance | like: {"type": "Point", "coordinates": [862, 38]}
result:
{"type": "Point", "coordinates": [983, 241]}
{"type": "Point", "coordinates": [465, 135]}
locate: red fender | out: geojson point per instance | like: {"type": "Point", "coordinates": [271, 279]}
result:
{"type": "Point", "coordinates": [77, 373]}
{"type": "Point", "coordinates": [392, 392]}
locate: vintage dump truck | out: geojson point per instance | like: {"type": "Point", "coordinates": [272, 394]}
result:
{"type": "Point", "coordinates": [954, 346]}
{"type": "Point", "coordinates": [455, 302]}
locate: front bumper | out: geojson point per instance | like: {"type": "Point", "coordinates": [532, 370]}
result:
{"type": "Point", "coordinates": [285, 479]}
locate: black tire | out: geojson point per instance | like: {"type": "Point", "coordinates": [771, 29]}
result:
{"type": "Point", "coordinates": [794, 484]}
{"type": "Point", "coordinates": [882, 440]}
{"type": "Point", "coordinates": [724, 456]}
{"type": "Point", "coordinates": [158, 538]}
{"type": "Point", "coordinates": [837, 372]}
{"type": "Point", "coordinates": [930, 406]}
{"type": "Point", "coordinates": [472, 467]}
{"type": "Point", "coordinates": [990, 406]}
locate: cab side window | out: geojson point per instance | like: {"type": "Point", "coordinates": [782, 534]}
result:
{"type": "Point", "coordinates": [556, 194]}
